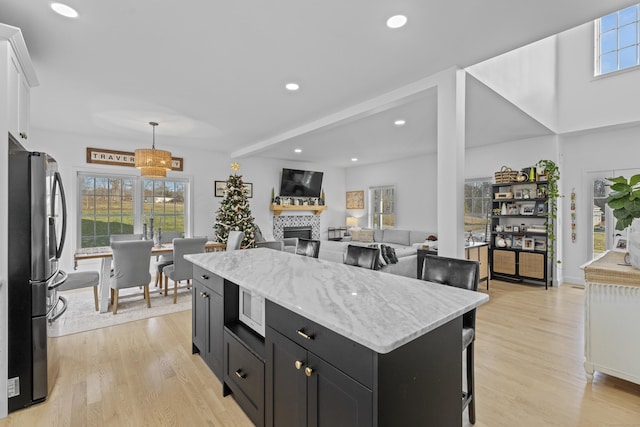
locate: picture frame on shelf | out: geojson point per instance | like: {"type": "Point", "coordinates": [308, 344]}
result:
{"type": "Point", "coordinates": [528, 244]}
{"type": "Point", "coordinates": [517, 242]}
{"type": "Point", "coordinates": [527, 209]}
{"type": "Point", "coordinates": [512, 209]}
{"type": "Point", "coordinates": [540, 209]}
{"type": "Point", "coordinates": [516, 228]}
{"type": "Point", "coordinates": [540, 245]}
{"type": "Point", "coordinates": [508, 228]}
{"type": "Point", "coordinates": [517, 194]}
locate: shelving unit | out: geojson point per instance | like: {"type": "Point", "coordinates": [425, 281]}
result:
{"type": "Point", "coordinates": [519, 242]}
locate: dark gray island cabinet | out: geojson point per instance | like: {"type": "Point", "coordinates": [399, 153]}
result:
{"type": "Point", "coordinates": [331, 356]}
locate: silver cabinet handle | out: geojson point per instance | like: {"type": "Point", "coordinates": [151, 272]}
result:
{"type": "Point", "coordinates": [204, 277]}
{"type": "Point", "coordinates": [304, 335]}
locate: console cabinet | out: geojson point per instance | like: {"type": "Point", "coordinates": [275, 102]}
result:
{"type": "Point", "coordinates": [519, 244]}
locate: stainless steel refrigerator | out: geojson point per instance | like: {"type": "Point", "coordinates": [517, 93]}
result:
{"type": "Point", "coordinates": [37, 228]}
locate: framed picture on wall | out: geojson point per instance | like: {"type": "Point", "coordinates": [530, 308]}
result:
{"type": "Point", "coordinates": [220, 186]}
{"type": "Point", "coordinates": [355, 199]}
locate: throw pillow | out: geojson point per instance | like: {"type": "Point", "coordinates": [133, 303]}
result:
{"type": "Point", "coordinates": [385, 254]}
{"type": "Point", "coordinates": [257, 233]}
{"type": "Point", "coordinates": [381, 261]}
{"type": "Point", "coordinates": [366, 236]}
{"type": "Point", "coordinates": [392, 255]}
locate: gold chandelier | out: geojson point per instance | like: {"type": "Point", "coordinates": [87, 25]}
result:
{"type": "Point", "coordinates": [151, 162]}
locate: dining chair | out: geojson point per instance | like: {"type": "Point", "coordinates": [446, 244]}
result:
{"type": "Point", "coordinates": [82, 279]}
{"type": "Point", "coordinates": [234, 240]}
{"type": "Point", "coordinates": [165, 259]}
{"type": "Point", "coordinates": [130, 268]}
{"type": "Point", "coordinates": [308, 247]}
{"type": "Point", "coordinates": [464, 274]}
{"type": "Point", "coordinates": [182, 269]}
{"type": "Point", "coordinates": [271, 244]}
{"type": "Point", "coordinates": [121, 237]}
{"type": "Point", "coordinates": [362, 256]}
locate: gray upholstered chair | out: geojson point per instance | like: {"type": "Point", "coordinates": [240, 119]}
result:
{"type": "Point", "coordinates": [121, 237]}
{"type": "Point", "coordinates": [165, 259]}
{"type": "Point", "coordinates": [130, 268]}
{"type": "Point", "coordinates": [234, 240]}
{"type": "Point", "coordinates": [182, 269]}
{"type": "Point", "coordinates": [271, 244]}
{"type": "Point", "coordinates": [308, 247]}
{"type": "Point", "coordinates": [464, 274]}
{"type": "Point", "coordinates": [362, 256]}
{"type": "Point", "coordinates": [82, 279]}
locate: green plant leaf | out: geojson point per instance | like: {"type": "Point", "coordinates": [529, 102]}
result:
{"type": "Point", "coordinates": [623, 223]}
{"type": "Point", "coordinates": [635, 179]}
{"type": "Point", "coordinates": [616, 202]}
{"type": "Point", "coordinates": [633, 208]}
{"type": "Point", "coordinates": [621, 187]}
{"type": "Point", "coordinates": [635, 194]}
{"type": "Point", "coordinates": [622, 213]}
{"type": "Point", "coordinates": [620, 179]}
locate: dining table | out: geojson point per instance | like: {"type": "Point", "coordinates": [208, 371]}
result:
{"type": "Point", "coordinates": [105, 255]}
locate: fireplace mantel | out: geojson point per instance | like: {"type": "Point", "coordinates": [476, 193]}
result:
{"type": "Point", "coordinates": [277, 209]}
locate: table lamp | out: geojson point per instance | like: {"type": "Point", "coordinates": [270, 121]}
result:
{"type": "Point", "coordinates": [352, 222]}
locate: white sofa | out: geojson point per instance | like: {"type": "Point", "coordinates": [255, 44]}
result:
{"type": "Point", "coordinates": [404, 242]}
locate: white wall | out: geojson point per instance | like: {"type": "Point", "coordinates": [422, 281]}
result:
{"type": "Point", "coordinates": [588, 102]}
{"type": "Point", "coordinates": [415, 181]}
{"type": "Point", "coordinates": [526, 77]}
{"type": "Point", "coordinates": [599, 150]}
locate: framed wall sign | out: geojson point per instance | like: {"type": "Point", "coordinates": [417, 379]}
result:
{"type": "Point", "coordinates": [355, 199]}
{"type": "Point", "coordinates": [220, 186]}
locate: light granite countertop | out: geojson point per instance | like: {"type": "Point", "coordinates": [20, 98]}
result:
{"type": "Point", "coordinates": [381, 311]}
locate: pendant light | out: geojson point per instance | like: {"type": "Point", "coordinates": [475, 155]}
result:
{"type": "Point", "coordinates": [151, 162]}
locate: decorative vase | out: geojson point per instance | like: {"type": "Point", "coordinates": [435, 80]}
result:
{"type": "Point", "coordinates": [633, 245]}
{"type": "Point", "coordinates": [504, 209]}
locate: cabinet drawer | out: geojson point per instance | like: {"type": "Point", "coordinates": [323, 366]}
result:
{"type": "Point", "coordinates": [244, 374]}
{"type": "Point", "coordinates": [341, 352]}
{"type": "Point", "coordinates": [214, 282]}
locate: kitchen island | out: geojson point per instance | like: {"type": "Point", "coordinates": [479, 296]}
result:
{"type": "Point", "coordinates": [343, 345]}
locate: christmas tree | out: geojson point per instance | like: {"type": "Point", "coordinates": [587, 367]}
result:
{"type": "Point", "coordinates": [234, 212]}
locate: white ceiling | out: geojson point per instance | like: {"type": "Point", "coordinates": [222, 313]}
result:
{"type": "Point", "coordinates": [213, 73]}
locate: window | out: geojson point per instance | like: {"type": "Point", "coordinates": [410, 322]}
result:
{"type": "Point", "coordinates": [617, 40]}
{"type": "Point", "coordinates": [164, 201]}
{"type": "Point", "coordinates": [477, 205]}
{"type": "Point", "coordinates": [382, 203]}
{"type": "Point", "coordinates": [118, 204]}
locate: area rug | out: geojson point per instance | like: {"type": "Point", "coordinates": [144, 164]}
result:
{"type": "Point", "coordinates": [81, 315]}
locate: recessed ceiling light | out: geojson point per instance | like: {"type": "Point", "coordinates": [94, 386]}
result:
{"type": "Point", "coordinates": [399, 122]}
{"type": "Point", "coordinates": [292, 86]}
{"type": "Point", "coordinates": [64, 10]}
{"type": "Point", "coordinates": [355, 159]}
{"type": "Point", "coordinates": [396, 21]}
{"type": "Point", "coordinates": [297, 150]}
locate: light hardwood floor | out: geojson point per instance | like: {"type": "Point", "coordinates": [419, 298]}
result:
{"type": "Point", "coordinates": [529, 354]}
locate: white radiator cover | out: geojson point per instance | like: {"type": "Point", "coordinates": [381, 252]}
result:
{"type": "Point", "coordinates": [612, 331]}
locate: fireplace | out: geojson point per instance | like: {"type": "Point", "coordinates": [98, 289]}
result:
{"type": "Point", "coordinates": [302, 232]}
{"type": "Point", "coordinates": [295, 223]}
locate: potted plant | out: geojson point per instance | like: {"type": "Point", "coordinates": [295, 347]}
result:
{"type": "Point", "coordinates": [550, 169]}
{"type": "Point", "coordinates": [624, 200]}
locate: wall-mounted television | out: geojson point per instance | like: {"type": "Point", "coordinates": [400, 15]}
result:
{"type": "Point", "coordinates": [300, 183]}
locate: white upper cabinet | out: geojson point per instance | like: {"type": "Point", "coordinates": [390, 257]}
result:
{"type": "Point", "coordinates": [21, 78]}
